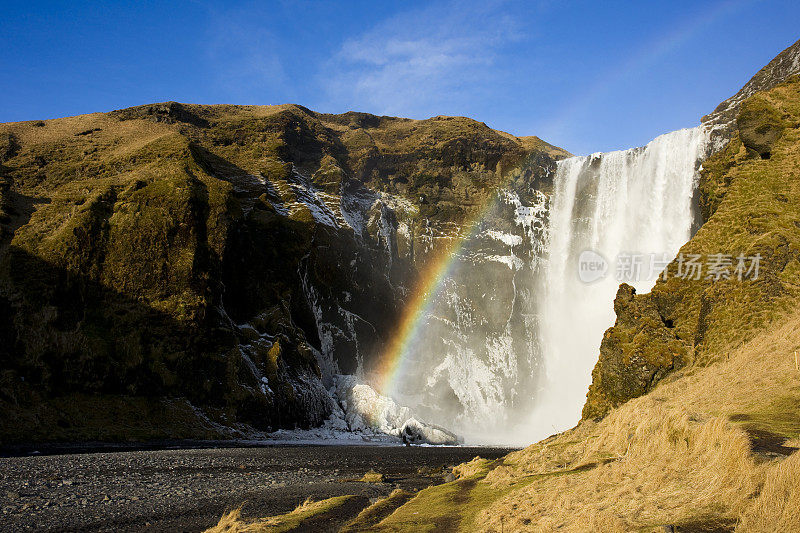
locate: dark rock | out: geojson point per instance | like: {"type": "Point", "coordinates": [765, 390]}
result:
{"type": "Point", "coordinates": [783, 66]}
{"type": "Point", "coordinates": [8, 146]}
{"type": "Point", "coordinates": [635, 354]}
{"type": "Point", "coordinates": [170, 112]}
{"type": "Point", "coordinates": [759, 125]}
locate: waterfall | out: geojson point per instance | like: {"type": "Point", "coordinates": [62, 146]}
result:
{"type": "Point", "coordinates": [506, 350]}
{"type": "Point", "coordinates": [617, 209]}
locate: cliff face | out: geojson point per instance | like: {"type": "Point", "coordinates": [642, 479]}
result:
{"type": "Point", "coordinates": [749, 198]}
{"type": "Point", "coordinates": [175, 270]}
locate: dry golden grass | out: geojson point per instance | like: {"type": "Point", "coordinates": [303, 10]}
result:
{"type": "Point", "coordinates": [677, 456]}
{"type": "Point", "coordinates": [644, 467]}
{"type": "Point", "coordinates": [367, 518]}
{"type": "Point", "coordinates": [476, 466]}
{"type": "Point", "coordinates": [232, 522]}
{"type": "Point", "coordinates": [373, 477]}
{"type": "Point", "coordinates": [756, 383]}
{"type": "Point", "coordinates": [777, 508]}
{"type": "Point", "coordinates": [680, 455]}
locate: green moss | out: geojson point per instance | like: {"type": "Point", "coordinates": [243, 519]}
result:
{"type": "Point", "coordinates": [302, 214]}
{"type": "Point", "coordinates": [452, 506]}
{"type": "Point", "coordinates": [273, 357]}
{"type": "Point", "coordinates": [760, 124]}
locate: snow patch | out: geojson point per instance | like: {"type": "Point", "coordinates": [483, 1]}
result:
{"type": "Point", "coordinates": [509, 239]}
{"type": "Point", "coordinates": [511, 261]}
{"type": "Point", "coordinates": [307, 195]}
{"type": "Point", "coordinates": [365, 410]}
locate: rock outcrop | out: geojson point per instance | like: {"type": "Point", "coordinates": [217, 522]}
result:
{"type": "Point", "coordinates": [635, 354]}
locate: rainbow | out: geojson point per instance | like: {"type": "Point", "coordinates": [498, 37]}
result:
{"type": "Point", "coordinates": [390, 366]}
{"type": "Point", "coordinates": [428, 286]}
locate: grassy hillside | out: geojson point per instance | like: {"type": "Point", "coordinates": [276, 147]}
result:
{"type": "Point", "coordinates": [711, 443]}
{"type": "Point", "coordinates": [713, 449]}
{"type": "Point", "coordinates": [171, 256]}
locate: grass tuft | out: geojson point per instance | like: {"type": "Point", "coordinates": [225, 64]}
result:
{"type": "Point", "coordinates": [233, 522]}
{"type": "Point", "coordinates": [777, 507]}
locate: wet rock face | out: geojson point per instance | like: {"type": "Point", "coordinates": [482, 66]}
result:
{"type": "Point", "coordinates": [474, 363]}
{"type": "Point", "coordinates": [237, 257]}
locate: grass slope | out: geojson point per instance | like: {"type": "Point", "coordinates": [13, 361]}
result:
{"type": "Point", "coordinates": [706, 448]}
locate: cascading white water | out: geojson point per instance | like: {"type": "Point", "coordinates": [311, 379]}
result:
{"type": "Point", "coordinates": [631, 203]}
{"type": "Point", "coordinates": [507, 353]}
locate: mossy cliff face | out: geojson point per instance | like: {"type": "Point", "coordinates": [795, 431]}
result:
{"type": "Point", "coordinates": [178, 270]}
{"type": "Point", "coordinates": [636, 353]}
{"type": "Point", "coordinates": [750, 201]}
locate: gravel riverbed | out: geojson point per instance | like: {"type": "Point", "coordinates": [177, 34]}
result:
{"type": "Point", "coordinates": [189, 489]}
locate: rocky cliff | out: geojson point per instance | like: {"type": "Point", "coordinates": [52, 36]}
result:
{"type": "Point", "coordinates": [748, 201]}
{"type": "Point", "coordinates": [176, 270]}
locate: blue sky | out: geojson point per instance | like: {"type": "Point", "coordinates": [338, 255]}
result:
{"type": "Point", "coordinates": [588, 76]}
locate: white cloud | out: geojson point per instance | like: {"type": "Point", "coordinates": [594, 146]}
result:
{"type": "Point", "coordinates": [422, 62]}
{"type": "Point", "coordinates": [244, 56]}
